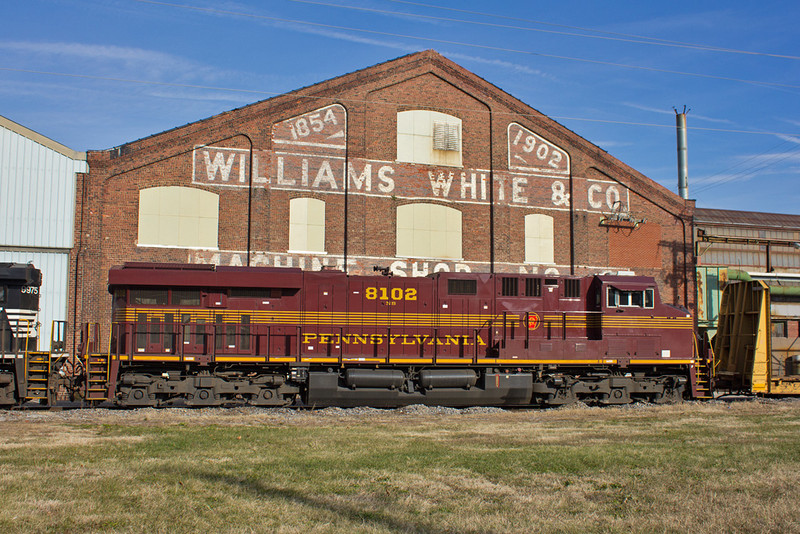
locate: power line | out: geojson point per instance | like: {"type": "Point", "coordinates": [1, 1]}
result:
{"type": "Point", "coordinates": [740, 163]}
{"type": "Point", "coordinates": [627, 36]}
{"type": "Point", "coordinates": [335, 98]}
{"type": "Point", "coordinates": [141, 82]}
{"type": "Point", "coordinates": [459, 43]}
{"type": "Point", "coordinates": [609, 36]}
{"type": "Point", "coordinates": [749, 172]}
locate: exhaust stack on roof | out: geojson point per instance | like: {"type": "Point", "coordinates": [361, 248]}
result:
{"type": "Point", "coordinates": [683, 154]}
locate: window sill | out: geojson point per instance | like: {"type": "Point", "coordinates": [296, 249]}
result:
{"type": "Point", "coordinates": [427, 258]}
{"type": "Point", "coordinates": [431, 164]}
{"type": "Point", "coordinates": [182, 247]}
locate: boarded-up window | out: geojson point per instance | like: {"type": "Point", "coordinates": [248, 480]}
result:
{"type": "Point", "coordinates": [428, 137]}
{"type": "Point", "coordinates": [428, 231]}
{"type": "Point", "coordinates": [539, 239]}
{"type": "Point", "coordinates": [178, 217]}
{"type": "Point", "coordinates": [306, 225]}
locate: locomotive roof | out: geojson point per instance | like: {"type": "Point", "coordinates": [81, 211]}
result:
{"type": "Point", "coordinates": [209, 275]}
{"type": "Point", "coordinates": [619, 279]}
{"type": "Point", "coordinates": [23, 273]}
{"type": "Point", "coordinates": [201, 275]}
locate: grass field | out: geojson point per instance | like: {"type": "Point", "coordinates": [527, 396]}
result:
{"type": "Point", "coordinates": [713, 467]}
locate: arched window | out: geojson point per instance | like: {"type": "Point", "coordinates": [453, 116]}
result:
{"type": "Point", "coordinates": [428, 231]}
{"type": "Point", "coordinates": [178, 217]}
{"type": "Point", "coordinates": [539, 239]}
{"type": "Point", "coordinates": [428, 137]}
{"type": "Point", "coordinates": [306, 225]}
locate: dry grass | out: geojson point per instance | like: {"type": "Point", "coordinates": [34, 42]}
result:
{"type": "Point", "coordinates": [712, 467]}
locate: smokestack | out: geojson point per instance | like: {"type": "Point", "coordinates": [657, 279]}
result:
{"type": "Point", "coordinates": [683, 154]}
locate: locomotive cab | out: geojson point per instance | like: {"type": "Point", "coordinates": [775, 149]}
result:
{"type": "Point", "coordinates": [639, 328]}
{"type": "Point", "coordinates": [19, 307]}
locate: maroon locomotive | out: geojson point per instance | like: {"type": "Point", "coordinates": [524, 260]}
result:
{"type": "Point", "coordinates": [209, 335]}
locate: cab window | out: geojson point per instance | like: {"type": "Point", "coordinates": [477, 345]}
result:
{"type": "Point", "coordinates": [186, 297]}
{"type": "Point", "coordinates": [156, 297]}
{"type": "Point", "coordinates": [623, 298]}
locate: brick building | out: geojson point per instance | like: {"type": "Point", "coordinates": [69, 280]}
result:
{"type": "Point", "coordinates": [416, 165]}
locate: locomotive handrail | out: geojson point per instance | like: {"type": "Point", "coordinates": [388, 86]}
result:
{"type": "Point", "coordinates": [527, 329]}
{"type": "Point", "coordinates": [173, 337]}
{"type": "Point", "coordinates": [299, 342]}
{"type": "Point", "coordinates": [505, 331]}
{"type": "Point", "coordinates": [25, 344]}
{"type": "Point", "coordinates": [19, 338]}
{"type": "Point", "coordinates": [144, 339]}
{"type": "Point", "coordinates": [5, 330]}
{"type": "Point", "coordinates": [181, 340]}
{"type": "Point", "coordinates": [490, 337]}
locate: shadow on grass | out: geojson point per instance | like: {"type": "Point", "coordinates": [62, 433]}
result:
{"type": "Point", "coordinates": [374, 517]}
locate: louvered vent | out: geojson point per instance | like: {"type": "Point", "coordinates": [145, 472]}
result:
{"type": "Point", "coordinates": [445, 136]}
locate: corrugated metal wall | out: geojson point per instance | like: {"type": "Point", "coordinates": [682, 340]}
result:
{"type": "Point", "coordinates": [37, 209]}
{"type": "Point", "coordinates": [37, 193]}
{"type": "Point", "coordinates": [750, 257]}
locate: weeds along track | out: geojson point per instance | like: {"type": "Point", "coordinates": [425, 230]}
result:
{"type": "Point", "coordinates": [247, 415]}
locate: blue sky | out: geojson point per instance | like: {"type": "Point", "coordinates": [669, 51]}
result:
{"type": "Point", "coordinates": [94, 74]}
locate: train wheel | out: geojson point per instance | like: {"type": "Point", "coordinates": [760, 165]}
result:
{"type": "Point", "coordinates": [674, 393]}
{"type": "Point", "coordinates": [8, 388]}
{"type": "Point", "coordinates": [136, 397]}
{"type": "Point", "coordinates": [617, 396]}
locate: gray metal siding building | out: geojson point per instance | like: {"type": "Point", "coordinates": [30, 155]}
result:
{"type": "Point", "coordinates": [37, 211]}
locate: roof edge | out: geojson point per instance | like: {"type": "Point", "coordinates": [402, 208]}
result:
{"type": "Point", "coordinates": [289, 96]}
{"type": "Point", "coordinates": [41, 139]}
{"type": "Point", "coordinates": [753, 219]}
